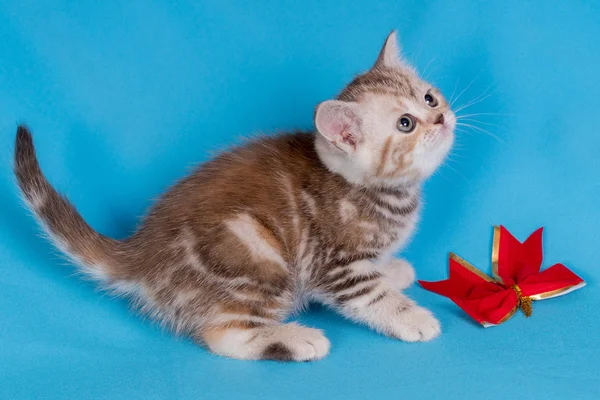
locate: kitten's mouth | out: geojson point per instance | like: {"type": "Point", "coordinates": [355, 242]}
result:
{"type": "Point", "coordinates": [445, 130]}
{"type": "Point", "coordinates": [449, 124]}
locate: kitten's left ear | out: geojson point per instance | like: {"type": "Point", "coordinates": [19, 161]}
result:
{"type": "Point", "coordinates": [339, 123]}
{"type": "Point", "coordinates": [389, 56]}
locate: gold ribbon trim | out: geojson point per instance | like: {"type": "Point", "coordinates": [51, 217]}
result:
{"type": "Point", "coordinates": [496, 253]}
{"type": "Point", "coordinates": [465, 264]}
{"type": "Point", "coordinates": [524, 302]}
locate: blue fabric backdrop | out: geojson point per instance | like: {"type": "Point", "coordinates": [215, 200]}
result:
{"type": "Point", "coordinates": [123, 97]}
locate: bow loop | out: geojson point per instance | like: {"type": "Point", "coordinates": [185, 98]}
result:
{"type": "Point", "coordinates": [513, 261]}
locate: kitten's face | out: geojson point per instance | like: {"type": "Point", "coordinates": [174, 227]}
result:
{"type": "Point", "coordinates": [388, 126]}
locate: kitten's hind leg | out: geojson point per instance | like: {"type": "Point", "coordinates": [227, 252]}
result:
{"type": "Point", "coordinates": [281, 342]}
{"type": "Point", "coordinates": [361, 293]}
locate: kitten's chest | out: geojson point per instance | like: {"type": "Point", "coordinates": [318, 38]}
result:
{"type": "Point", "coordinates": [398, 236]}
{"type": "Point", "coordinates": [389, 235]}
{"type": "Point", "coordinates": [379, 222]}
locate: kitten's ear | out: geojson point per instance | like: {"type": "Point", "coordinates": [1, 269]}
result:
{"type": "Point", "coordinates": [389, 56]}
{"type": "Point", "coordinates": [339, 123]}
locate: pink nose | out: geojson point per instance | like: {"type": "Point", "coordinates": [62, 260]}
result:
{"type": "Point", "coordinates": [439, 119]}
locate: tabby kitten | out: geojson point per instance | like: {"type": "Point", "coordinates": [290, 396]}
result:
{"type": "Point", "coordinates": [232, 250]}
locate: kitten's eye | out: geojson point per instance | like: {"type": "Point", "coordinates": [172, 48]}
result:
{"type": "Point", "coordinates": [431, 101]}
{"type": "Point", "coordinates": [406, 123]}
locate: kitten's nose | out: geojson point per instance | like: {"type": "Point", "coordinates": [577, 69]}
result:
{"type": "Point", "coordinates": [439, 119]}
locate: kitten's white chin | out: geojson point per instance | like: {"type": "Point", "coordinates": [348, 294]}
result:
{"type": "Point", "coordinates": [428, 162]}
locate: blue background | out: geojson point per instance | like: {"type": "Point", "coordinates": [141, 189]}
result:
{"type": "Point", "coordinates": [123, 97]}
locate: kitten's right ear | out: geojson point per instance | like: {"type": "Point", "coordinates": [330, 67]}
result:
{"type": "Point", "coordinates": [339, 123]}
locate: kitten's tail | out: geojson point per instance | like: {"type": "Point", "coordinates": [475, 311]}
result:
{"type": "Point", "coordinates": [100, 257]}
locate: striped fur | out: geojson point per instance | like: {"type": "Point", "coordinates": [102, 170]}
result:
{"type": "Point", "coordinates": [229, 252]}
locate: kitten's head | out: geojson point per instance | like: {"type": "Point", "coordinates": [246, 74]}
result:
{"type": "Point", "coordinates": [387, 127]}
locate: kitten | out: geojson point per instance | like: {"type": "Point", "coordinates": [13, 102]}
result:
{"type": "Point", "coordinates": [232, 250]}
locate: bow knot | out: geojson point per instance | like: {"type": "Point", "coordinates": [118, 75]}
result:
{"type": "Point", "coordinates": [523, 302]}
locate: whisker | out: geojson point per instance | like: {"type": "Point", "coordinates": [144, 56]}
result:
{"type": "Point", "coordinates": [427, 66]}
{"type": "Point", "coordinates": [474, 115]}
{"type": "Point", "coordinates": [454, 91]}
{"type": "Point", "coordinates": [478, 121]}
{"type": "Point", "coordinates": [457, 172]}
{"type": "Point", "coordinates": [461, 132]}
{"type": "Point", "coordinates": [465, 89]}
{"type": "Point", "coordinates": [435, 68]}
{"type": "Point", "coordinates": [440, 173]}
{"type": "Point", "coordinates": [453, 156]}
{"type": "Point", "coordinates": [457, 150]}
{"type": "Point", "coordinates": [415, 56]}
{"type": "Point", "coordinates": [472, 101]}
{"type": "Point", "coordinates": [483, 131]}
{"type": "Point", "coordinates": [478, 99]}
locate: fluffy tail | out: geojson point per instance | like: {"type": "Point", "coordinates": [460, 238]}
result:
{"type": "Point", "coordinates": [99, 256]}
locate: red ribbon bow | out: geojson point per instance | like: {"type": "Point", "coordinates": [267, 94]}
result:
{"type": "Point", "coordinates": [518, 280]}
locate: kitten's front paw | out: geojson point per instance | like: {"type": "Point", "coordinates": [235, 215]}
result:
{"type": "Point", "coordinates": [416, 324]}
{"type": "Point", "coordinates": [400, 273]}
